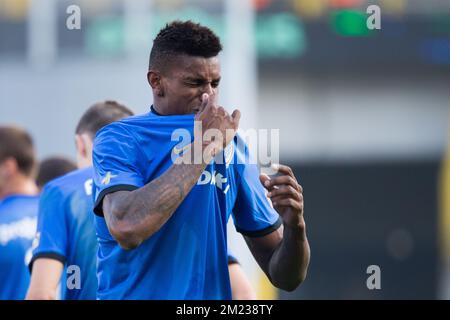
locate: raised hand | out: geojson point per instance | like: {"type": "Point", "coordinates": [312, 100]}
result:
{"type": "Point", "coordinates": [286, 195]}
{"type": "Point", "coordinates": [218, 127]}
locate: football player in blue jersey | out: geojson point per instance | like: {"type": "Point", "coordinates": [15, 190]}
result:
{"type": "Point", "coordinates": [65, 234]}
{"type": "Point", "coordinates": [161, 223]}
{"type": "Point", "coordinates": [18, 210]}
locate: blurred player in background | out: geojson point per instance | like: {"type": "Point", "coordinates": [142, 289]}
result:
{"type": "Point", "coordinates": [18, 210]}
{"type": "Point", "coordinates": [53, 167]}
{"type": "Point", "coordinates": [161, 225]}
{"type": "Point", "coordinates": [65, 233]}
{"type": "Point", "coordinates": [241, 288]}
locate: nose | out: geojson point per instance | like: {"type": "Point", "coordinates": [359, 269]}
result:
{"type": "Point", "coordinates": [208, 89]}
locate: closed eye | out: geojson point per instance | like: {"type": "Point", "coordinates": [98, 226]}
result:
{"type": "Point", "coordinates": [194, 82]}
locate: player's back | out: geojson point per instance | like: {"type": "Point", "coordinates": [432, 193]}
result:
{"type": "Point", "coordinates": [66, 232]}
{"type": "Point", "coordinates": [18, 215]}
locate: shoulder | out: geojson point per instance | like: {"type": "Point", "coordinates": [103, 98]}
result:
{"type": "Point", "coordinates": [18, 200]}
{"type": "Point", "coordinates": [68, 183]}
{"type": "Point", "coordinates": [18, 206]}
{"type": "Point", "coordinates": [124, 128]}
{"type": "Point", "coordinates": [121, 141]}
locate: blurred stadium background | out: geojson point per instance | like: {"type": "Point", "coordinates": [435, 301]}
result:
{"type": "Point", "coordinates": [363, 115]}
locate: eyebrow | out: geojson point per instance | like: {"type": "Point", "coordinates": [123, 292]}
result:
{"type": "Point", "coordinates": [200, 79]}
{"type": "Point", "coordinates": [193, 78]}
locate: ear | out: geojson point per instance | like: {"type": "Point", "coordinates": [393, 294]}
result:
{"type": "Point", "coordinates": [155, 81]}
{"type": "Point", "coordinates": [9, 167]}
{"type": "Point", "coordinates": [80, 145]}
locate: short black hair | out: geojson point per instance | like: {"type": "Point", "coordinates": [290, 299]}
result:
{"type": "Point", "coordinates": [16, 143]}
{"type": "Point", "coordinates": [183, 38]}
{"type": "Point", "coordinates": [52, 168]}
{"type": "Point", "coordinates": [100, 115]}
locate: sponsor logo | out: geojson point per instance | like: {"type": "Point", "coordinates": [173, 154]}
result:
{"type": "Point", "coordinates": [24, 228]}
{"type": "Point", "coordinates": [107, 179]}
{"type": "Point", "coordinates": [88, 187]}
{"type": "Point", "coordinates": [214, 178]}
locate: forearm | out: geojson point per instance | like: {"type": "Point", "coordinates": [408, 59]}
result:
{"type": "Point", "coordinates": [289, 262]}
{"type": "Point", "coordinates": [44, 279]}
{"type": "Point", "coordinates": [135, 216]}
{"type": "Point", "coordinates": [41, 294]}
{"type": "Point", "coordinates": [241, 288]}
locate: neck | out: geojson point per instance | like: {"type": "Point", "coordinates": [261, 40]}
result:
{"type": "Point", "coordinates": [163, 109]}
{"type": "Point", "coordinates": [157, 109]}
{"type": "Point", "coordinates": [153, 109]}
{"type": "Point", "coordinates": [84, 163]}
{"type": "Point", "coordinates": [19, 185]}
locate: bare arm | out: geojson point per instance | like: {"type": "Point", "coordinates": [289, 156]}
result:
{"type": "Point", "coordinates": [284, 254]}
{"type": "Point", "coordinates": [241, 288]}
{"type": "Point", "coordinates": [133, 216]}
{"type": "Point", "coordinates": [44, 279]}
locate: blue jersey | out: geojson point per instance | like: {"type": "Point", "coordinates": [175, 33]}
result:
{"type": "Point", "coordinates": [66, 232]}
{"type": "Point", "coordinates": [17, 228]}
{"type": "Point", "coordinates": [187, 257]}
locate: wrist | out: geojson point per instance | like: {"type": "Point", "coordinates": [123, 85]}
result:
{"type": "Point", "coordinates": [298, 227]}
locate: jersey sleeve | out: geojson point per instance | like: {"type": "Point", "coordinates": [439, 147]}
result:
{"type": "Point", "coordinates": [115, 158]}
{"type": "Point", "coordinates": [51, 235]}
{"type": "Point", "coordinates": [232, 258]}
{"type": "Point", "coordinates": [253, 213]}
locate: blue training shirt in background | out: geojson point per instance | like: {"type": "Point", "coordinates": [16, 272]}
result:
{"type": "Point", "coordinates": [66, 232]}
{"type": "Point", "coordinates": [187, 257]}
{"type": "Point", "coordinates": [17, 228]}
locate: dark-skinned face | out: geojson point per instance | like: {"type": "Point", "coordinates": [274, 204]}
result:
{"type": "Point", "coordinates": [183, 83]}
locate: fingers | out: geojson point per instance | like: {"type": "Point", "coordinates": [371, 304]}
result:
{"type": "Point", "coordinates": [285, 191]}
{"type": "Point", "coordinates": [203, 110]}
{"type": "Point", "coordinates": [208, 101]}
{"type": "Point", "coordinates": [205, 101]}
{"type": "Point", "coordinates": [209, 105]}
{"type": "Point", "coordinates": [221, 111]}
{"type": "Point", "coordinates": [278, 182]}
{"type": "Point", "coordinates": [288, 202]}
{"type": "Point", "coordinates": [213, 99]}
{"type": "Point", "coordinates": [264, 178]}
{"type": "Point", "coordinates": [265, 181]}
{"type": "Point", "coordinates": [283, 180]}
{"type": "Point", "coordinates": [288, 171]}
{"type": "Point", "coordinates": [284, 169]}
{"type": "Point", "coordinates": [236, 116]}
